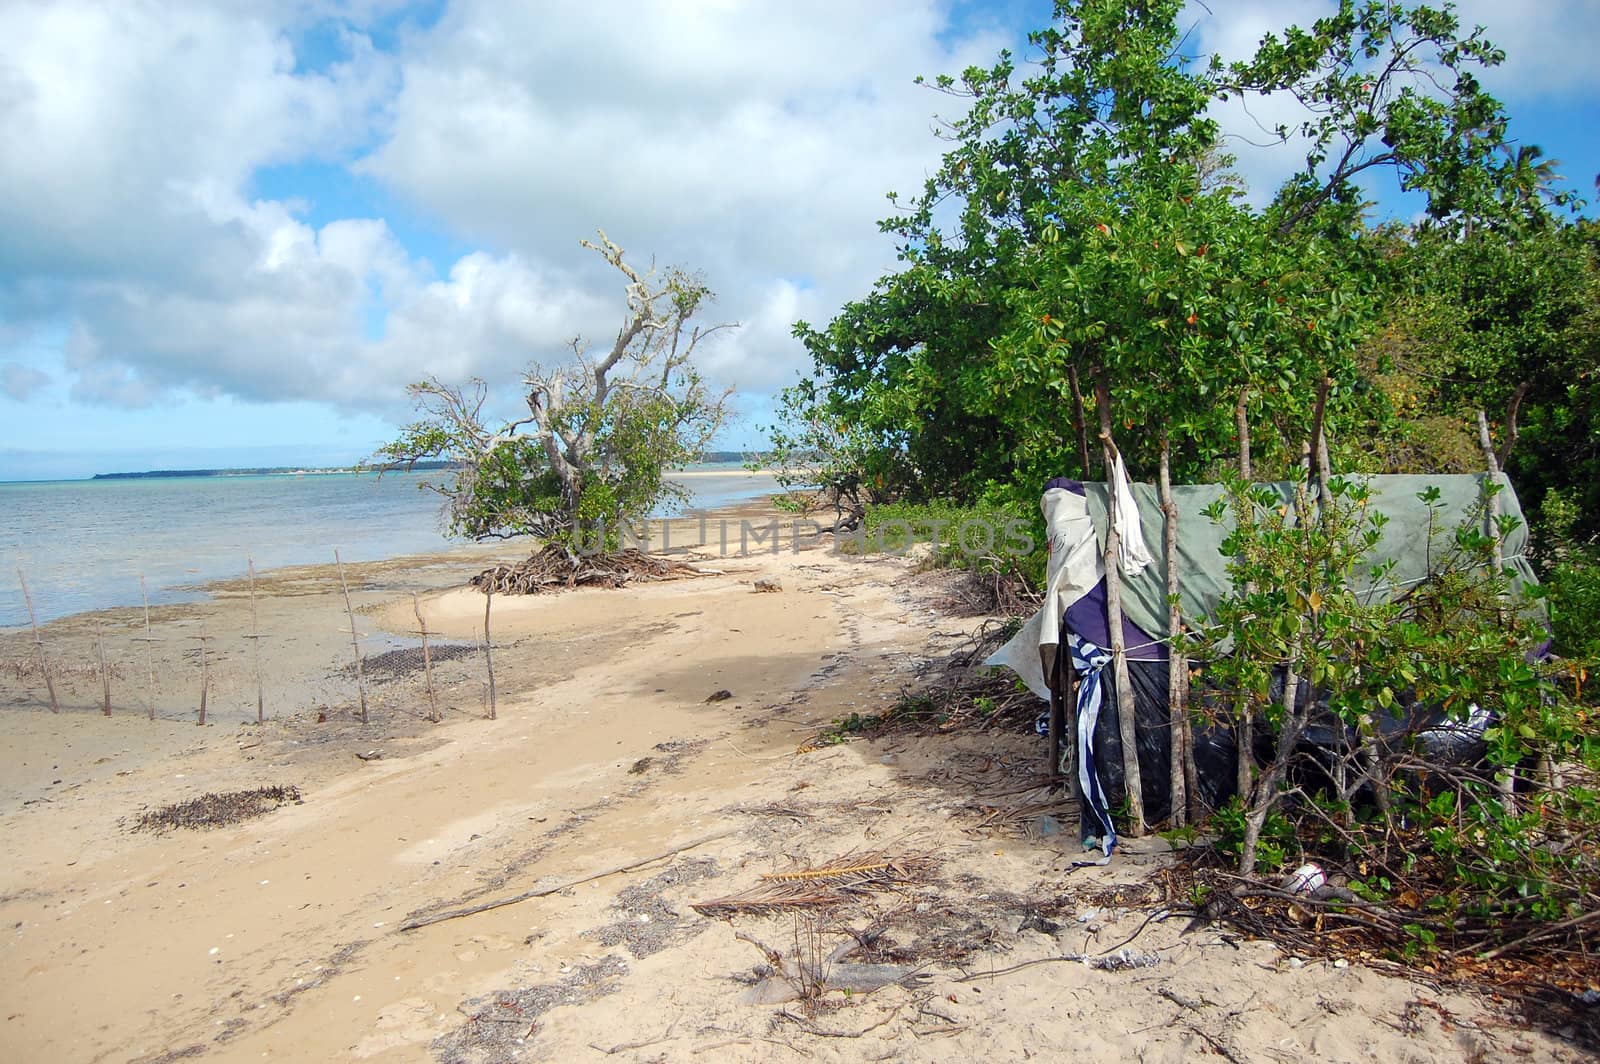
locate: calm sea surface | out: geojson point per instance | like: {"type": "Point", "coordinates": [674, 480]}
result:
{"type": "Point", "coordinates": [83, 543]}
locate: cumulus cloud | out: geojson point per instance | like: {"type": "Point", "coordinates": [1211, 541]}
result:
{"type": "Point", "coordinates": [752, 143]}
{"type": "Point", "coordinates": [19, 382]}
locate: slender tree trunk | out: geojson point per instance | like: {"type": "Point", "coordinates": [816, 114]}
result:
{"type": "Point", "coordinates": [1241, 420]}
{"type": "Point", "coordinates": [1079, 421]}
{"type": "Point", "coordinates": [1177, 661]}
{"type": "Point", "coordinates": [1320, 462]}
{"type": "Point", "coordinates": [1507, 784]}
{"type": "Point", "coordinates": [1127, 725]}
{"type": "Point", "coordinates": [1243, 729]}
{"type": "Point", "coordinates": [1512, 410]}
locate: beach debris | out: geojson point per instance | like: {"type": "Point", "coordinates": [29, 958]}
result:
{"type": "Point", "coordinates": [645, 922]}
{"type": "Point", "coordinates": [557, 886]}
{"type": "Point", "coordinates": [371, 755]}
{"type": "Point", "coordinates": [554, 569]}
{"type": "Point", "coordinates": [499, 1023]}
{"type": "Point", "coordinates": [768, 584]}
{"type": "Point", "coordinates": [847, 877]}
{"type": "Point", "coordinates": [217, 810]}
{"type": "Point", "coordinates": [719, 696]}
{"type": "Point", "coordinates": [804, 973]}
{"type": "Point", "coordinates": [1305, 879]}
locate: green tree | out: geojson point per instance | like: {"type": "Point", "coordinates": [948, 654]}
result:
{"type": "Point", "coordinates": [601, 430]}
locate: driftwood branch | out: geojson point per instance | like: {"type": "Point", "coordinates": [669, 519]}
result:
{"type": "Point", "coordinates": [544, 890]}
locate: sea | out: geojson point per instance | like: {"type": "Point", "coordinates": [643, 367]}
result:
{"type": "Point", "coordinates": [83, 544]}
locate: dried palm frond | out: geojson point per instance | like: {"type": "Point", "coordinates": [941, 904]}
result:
{"type": "Point", "coordinates": [834, 882]}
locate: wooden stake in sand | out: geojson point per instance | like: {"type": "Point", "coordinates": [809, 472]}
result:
{"type": "Point", "coordinates": [149, 651]}
{"type": "Point", "coordinates": [355, 642]}
{"type": "Point", "coordinates": [105, 674]}
{"type": "Point", "coordinates": [427, 660]}
{"type": "Point", "coordinates": [38, 643]}
{"type": "Point", "coordinates": [205, 671]}
{"type": "Point", "coordinates": [488, 656]}
{"type": "Point", "coordinates": [255, 635]}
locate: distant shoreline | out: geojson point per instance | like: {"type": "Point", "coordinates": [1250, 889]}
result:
{"type": "Point", "coordinates": [709, 458]}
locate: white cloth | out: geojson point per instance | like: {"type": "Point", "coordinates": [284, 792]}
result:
{"type": "Point", "coordinates": [1134, 555]}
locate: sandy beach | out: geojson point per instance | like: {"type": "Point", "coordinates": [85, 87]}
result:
{"type": "Point", "coordinates": [653, 748]}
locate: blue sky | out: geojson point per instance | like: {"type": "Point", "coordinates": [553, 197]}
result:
{"type": "Point", "coordinates": [231, 232]}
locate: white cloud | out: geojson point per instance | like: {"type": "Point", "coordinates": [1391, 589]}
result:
{"type": "Point", "coordinates": [751, 142]}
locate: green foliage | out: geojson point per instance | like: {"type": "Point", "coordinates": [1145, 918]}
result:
{"type": "Point", "coordinates": [1450, 834]}
{"type": "Point", "coordinates": [1573, 594]}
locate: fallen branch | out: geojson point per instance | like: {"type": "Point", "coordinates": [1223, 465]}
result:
{"type": "Point", "coordinates": [560, 885]}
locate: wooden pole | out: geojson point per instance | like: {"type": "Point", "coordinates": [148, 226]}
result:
{"type": "Point", "coordinates": [427, 660]}
{"type": "Point", "coordinates": [488, 654]}
{"type": "Point", "coordinates": [1177, 662]}
{"type": "Point", "coordinates": [38, 643]}
{"type": "Point", "coordinates": [1127, 725]}
{"type": "Point", "coordinates": [1507, 784]}
{"type": "Point", "coordinates": [205, 672]}
{"type": "Point", "coordinates": [355, 642]}
{"type": "Point", "coordinates": [105, 674]}
{"type": "Point", "coordinates": [255, 635]}
{"type": "Point", "coordinates": [1243, 728]}
{"type": "Point", "coordinates": [149, 649]}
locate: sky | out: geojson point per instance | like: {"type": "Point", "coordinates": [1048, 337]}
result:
{"type": "Point", "coordinates": [231, 232]}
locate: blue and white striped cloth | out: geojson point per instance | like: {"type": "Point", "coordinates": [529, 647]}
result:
{"type": "Point", "coordinates": [1090, 662]}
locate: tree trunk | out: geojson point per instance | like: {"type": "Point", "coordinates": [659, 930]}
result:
{"type": "Point", "coordinates": [1319, 450]}
{"type": "Point", "coordinates": [1177, 662]}
{"type": "Point", "coordinates": [1079, 422]}
{"type": "Point", "coordinates": [1126, 723]}
{"type": "Point", "coordinates": [1512, 409]}
{"type": "Point", "coordinates": [1241, 420]}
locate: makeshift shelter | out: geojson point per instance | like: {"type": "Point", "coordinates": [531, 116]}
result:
{"type": "Point", "coordinates": [1071, 627]}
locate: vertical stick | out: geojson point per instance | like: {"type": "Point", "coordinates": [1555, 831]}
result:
{"type": "Point", "coordinates": [255, 635]}
{"type": "Point", "coordinates": [427, 660]}
{"type": "Point", "coordinates": [38, 643]}
{"type": "Point", "coordinates": [355, 643]}
{"type": "Point", "coordinates": [1127, 725]}
{"type": "Point", "coordinates": [205, 672]}
{"type": "Point", "coordinates": [1507, 785]}
{"type": "Point", "coordinates": [1177, 663]}
{"type": "Point", "coordinates": [105, 674]}
{"type": "Point", "coordinates": [1243, 729]}
{"type": "Point", "coordinates": [149, 648]}
{"type": "Point", "coordinates": [488, 655]}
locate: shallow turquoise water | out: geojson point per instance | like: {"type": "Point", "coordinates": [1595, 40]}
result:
{"type": "Point", "coordinates": [84, 543]}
